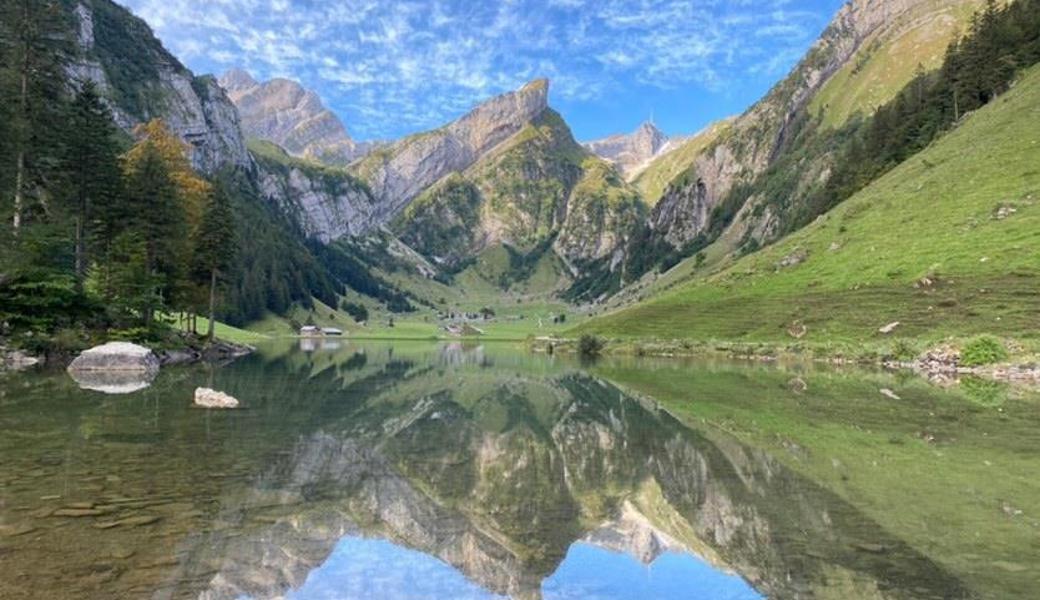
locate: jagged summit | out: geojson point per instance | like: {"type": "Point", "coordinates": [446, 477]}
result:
{"type": "Point", "coordinates": [402, 170]}
{"type": "Point", "coordinates": [237, 80]}
{"type": "Point", "coordinates": [631, 152]}
{"type": "Point", "coordinates": [284, 112]}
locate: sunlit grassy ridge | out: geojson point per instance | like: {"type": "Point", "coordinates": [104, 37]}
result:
{"type": "Point", "coordinates": [946, 244]}
{"type": "Point", "coordinates": [888, 60]}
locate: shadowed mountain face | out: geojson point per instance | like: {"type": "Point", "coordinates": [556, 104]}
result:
{"type": "Point", "coordinates": [499, 473]}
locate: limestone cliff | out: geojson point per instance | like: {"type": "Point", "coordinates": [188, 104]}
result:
{"type": "Point", "coordinates": [756, 140]}
{"type": "Point", "coordinates": [141, 81]}
{"type": "Point", "coordinates": [326, 203]}
{"type": "Point", "coordinates": [283, 112]}
{"type": "Point", "coordinates": [398, 173]}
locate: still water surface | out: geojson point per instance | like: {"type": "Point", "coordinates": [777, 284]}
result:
{"type": "Point", "coordinates": [451, 471]}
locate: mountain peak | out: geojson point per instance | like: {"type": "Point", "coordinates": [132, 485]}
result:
{"type": "Point", "coordinates": [237, 79]}
{"type": "Point", "coordinates": [630, 152]}
{"type": "Point", "coordinates": [286, 113]}
{"type": "Point", "coordinates": [541, 84]}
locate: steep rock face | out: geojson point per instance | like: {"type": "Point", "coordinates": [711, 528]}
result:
{"type": "Point", "coordinates": [327, 204]}
{"type": "Point", "coordinates": [631, 152]}
{"type": "Point", "coordinates": [283, 112]}
{"type": "Point", "coordinates": [141, 81]}
{"type": "Point", "coordinates": [538, 188]}
{"type": "Point", "coordinates": [754, 140]}
{"type": "Point", "coordinates": [400, 172]}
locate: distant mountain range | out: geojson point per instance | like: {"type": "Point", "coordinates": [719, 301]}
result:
{"type": "Point", "coordinates": [509, 174]}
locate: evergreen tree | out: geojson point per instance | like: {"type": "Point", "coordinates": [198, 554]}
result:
{"type": "Point", "coordinates": [32, 86]}
{"type": "Point", "coordinates": [130, 279]}
{"type": "Point", "coordinates": [93, 174]}
{"type": "Point", "coordinates": [156, 215]}
{"type": "Point", "coordinates": [215, 245]}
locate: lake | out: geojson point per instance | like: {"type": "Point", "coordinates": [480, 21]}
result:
{"type": "Point", "coordinates": [454, 470]}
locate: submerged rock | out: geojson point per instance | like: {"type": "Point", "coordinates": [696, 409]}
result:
{"type": "Point", "coordinates": [116, 356]}
{"type": "Point", "coordinates": [208, 398]}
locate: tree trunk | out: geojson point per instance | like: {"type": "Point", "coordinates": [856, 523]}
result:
{"type": "Point", "coordinates": [19, 198]}
{"type": "Point", "coordinates": [211, 332]}
{"type": "Point", "coordinates": [80, 251]}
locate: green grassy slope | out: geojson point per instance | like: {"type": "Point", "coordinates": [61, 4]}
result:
{"type": "Point", "coordinates": [888, 60]}
{"type": "Point", "coordinates": [965, 213]}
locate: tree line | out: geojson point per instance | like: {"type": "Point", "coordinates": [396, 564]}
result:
{"type": "Point", "coordinates": [1001, 41]}
{"type": "Point", "coordinates": [99, 230]}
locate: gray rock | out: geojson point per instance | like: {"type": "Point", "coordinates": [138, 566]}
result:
{"type": "Point", "coordinates": [16, 360]}
{"type": "Point", "coordinates": [284, 112]}
{"type": "Point", "coordinates": [116, 357]}
{"type": "Point", "coordinates": [887, 329]}
{"type": "Point", "coordinates": [196, 109]}
{"type": "Point", "coordinates": [208, 398]}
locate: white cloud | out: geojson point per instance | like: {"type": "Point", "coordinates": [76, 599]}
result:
{"type": "Point", "coordinates": [385, 64]}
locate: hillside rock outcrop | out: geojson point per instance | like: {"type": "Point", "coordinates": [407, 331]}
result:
{"type": "Point", "coordinates": [755, 140]}
{"type": "Point", "coordinates": [141, 81]}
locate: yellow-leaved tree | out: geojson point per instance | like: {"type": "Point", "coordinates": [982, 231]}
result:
{"type": "Point", "coordinates": [193, 190]}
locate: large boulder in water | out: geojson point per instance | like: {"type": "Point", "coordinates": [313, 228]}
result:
{"type": "Point", "coordinates": [116, 357]}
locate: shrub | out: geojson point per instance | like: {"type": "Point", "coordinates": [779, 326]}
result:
{"type": "Point", "coordinates": [905, 350]}
{"type": "Point", "coordinates": [983, 350]}
{"type": "Point", "coordinates": [590, 346]}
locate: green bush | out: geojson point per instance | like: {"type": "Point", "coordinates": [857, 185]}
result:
{"type": "Point", "coordinates": [983, 350]}
{"type": "Point", "coordinates": [590, 346]}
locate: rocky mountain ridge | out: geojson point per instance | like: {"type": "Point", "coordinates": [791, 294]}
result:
{"type": "Point", "coordinates": [399, 172]}
{"type": "Point", "coordinates": [755, 140]}
{"type": "Point", "coordinates": [284, 112]}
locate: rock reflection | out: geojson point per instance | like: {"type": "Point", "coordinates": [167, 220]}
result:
{"type": "Point", "coordinates": [113, 382]}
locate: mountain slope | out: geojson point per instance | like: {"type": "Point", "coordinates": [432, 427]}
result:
{"type": "Point", "coordinates": [141, 81]}
{"type": "Point", "coordinates": [673, 159]}
{"type": "Point", "coordinates": [539, 189]}
{"type": "Point", "coordinates": [401, 171]}
{"type": "Point", "coordinates": [889, 58]}
{"type": "Point", "coordinates": [758, 180]}
{"type": "Point", "coordinates": [283, 112]}
{"type": "Point", "coordinates": [630, 152]}
{"type": "Point", "coordinates": [944, 244]}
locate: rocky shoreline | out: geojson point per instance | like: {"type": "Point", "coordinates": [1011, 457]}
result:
{"type": "Point", "coordinates": [220, 352]}
{"type": "Point", "coordinates": [940, 365]}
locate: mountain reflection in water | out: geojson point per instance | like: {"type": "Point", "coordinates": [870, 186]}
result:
{"type": "Point", "coordinates": [420, 472]}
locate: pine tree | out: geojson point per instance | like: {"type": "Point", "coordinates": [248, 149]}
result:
{"type": "Point", "coordinates": [157, 216]}
{"type": "Point", "coordinates": [215, 246]}
{"type": "Point", "coordinates": [94, 176]}
{"type": "Point", "coordinates": [33, 87]}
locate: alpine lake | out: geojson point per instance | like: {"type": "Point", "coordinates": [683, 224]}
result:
{"type": "Point", "coordinates": [466, 470]}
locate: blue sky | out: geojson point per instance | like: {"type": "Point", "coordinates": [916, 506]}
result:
{"type": "Point", "coordinates": [390, 68]}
